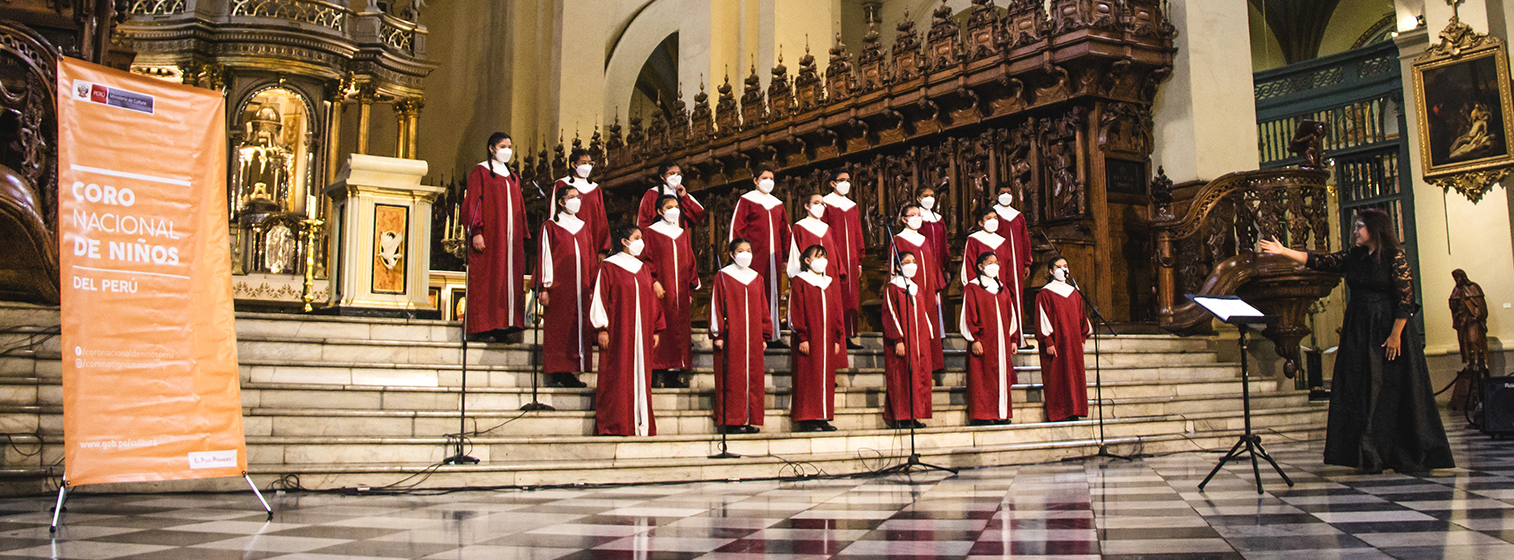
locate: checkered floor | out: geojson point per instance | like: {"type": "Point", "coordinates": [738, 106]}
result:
{"type": "Point", "coordinates": [1149, 509]}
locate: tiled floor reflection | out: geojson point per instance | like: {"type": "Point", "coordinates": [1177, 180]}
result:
{"type": "Point", "coordinates": [1150, 509]}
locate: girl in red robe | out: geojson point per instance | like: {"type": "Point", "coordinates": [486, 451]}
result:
{"type": "Point", "coordinates": [811, 230]}
{"type": "Point", "coordinates": [1014, 271]}
{"type": "Point", "coordinates": [760, 218]}
{"type": "Point", "coordinates": [671, 256]}
{"type": "Point", "coordinates": [740, 328]}
{"type": "Point", "coordinates": [845, 220]}
{"type": "Point", "coordinates": [628, 317]}
{"type": "Point", "coordinates": [987, 326]}
{"type": "Point", "coordinates": [817, 349]}
{"type": "Point", "coordinates": [670, 183]}
{"type": "Point", "coordinates": [986, 240]}
{"type": "Point", "coordinates": [495, 215]}
{"type": "Point", "coordinates": [565, 279]}
{"type": "Point", "coordinates": [907, 331]}
{"type": "Point", "coordinates": [1063, 328]}
{"type": "Point", "coordinates": [931, 278]}
{"type": "Point", "coordinates": [591, 199]}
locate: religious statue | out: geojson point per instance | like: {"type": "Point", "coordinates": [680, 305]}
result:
{"type": "Point", "coordinates": [264, 162]}
{"type": "Point", "coordinates": [1469, 316]}
{"type": "Point", "coordinates": [1308, 143]}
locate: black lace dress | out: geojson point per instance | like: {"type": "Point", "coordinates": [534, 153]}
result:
{"type": "Point", "coordinates": [1382, 412]}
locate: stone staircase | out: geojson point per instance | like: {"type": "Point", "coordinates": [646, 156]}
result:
{"type": "Point", "coordinates": [349, 402]}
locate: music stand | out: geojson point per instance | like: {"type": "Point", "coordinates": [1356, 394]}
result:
{"type": "Point", "coordinates": [1232, 310]}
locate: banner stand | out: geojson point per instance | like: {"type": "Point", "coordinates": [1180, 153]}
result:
{"type": "Point", "coordinates": [63, 498]}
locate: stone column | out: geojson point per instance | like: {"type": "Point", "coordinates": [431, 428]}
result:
{"type": "Point", "coordinates": [1205, 114]}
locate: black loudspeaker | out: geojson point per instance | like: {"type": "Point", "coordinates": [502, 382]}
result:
{"type": "Point", "coordinates": [1498, 405]}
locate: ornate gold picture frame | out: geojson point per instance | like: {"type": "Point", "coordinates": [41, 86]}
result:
{"type": "Point", "coordinates": [1465, 111]}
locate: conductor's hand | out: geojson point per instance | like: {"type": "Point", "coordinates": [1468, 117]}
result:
{"type": "Point", "coordinates": [804, 348]}
{"type": "Point", "coordinates": [977, 348]}
{"type": "Point", "coordinates": [604, 340]}
{"type": "Point", "coordinates": [478, 242]}
{"type": "Point", "coordinates": [542, 297]}
{"type": "Point", "coordinates": [657, 288]}
{"type": "Point", "coordinates": [1271, 246]}
{"type": "Point", "coordinates": [1392, 347]}
{"type": "Point", "coordinates": [899, 349]}
{"type": "Point", "coordinates": [719, 344]}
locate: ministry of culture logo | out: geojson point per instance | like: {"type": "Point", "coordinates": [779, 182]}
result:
{"type": "Point", "coordinates": [114, 97]}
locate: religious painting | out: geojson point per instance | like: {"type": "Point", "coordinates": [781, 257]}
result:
{"type": "Point", "coordinates": [390, 224]}
{"type": "Point", "coordinates": [1466, 117]}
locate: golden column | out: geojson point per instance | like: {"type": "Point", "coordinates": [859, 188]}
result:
{"type": "Point", "coordinates": [336, 95]}
{"type": "Point", "coordinates": [408, 112]}
{"type": "Point", "coordinates": [367, 94]}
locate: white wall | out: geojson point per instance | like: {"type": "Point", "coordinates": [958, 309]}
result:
{"type": "Point", "coordinates": [1205, 114]}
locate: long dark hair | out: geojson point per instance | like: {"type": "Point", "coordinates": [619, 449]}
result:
{"type": "Point", "coordinates": [622, 232]}
{"type": "Point", "coordinates": [1381, 231]}
{"type": "Point", "coordinates": [562, 197]}
{"type": "Point", "coordinates": [494, 139]}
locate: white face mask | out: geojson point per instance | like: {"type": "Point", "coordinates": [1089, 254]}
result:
{"type": "Point", "coordinates": [1059, 273]}
{"type": "Point", "coordinates": [843, 187]}
{"type": "Point", "coordinates": [914, 222]}
{"type": "Point", "coordinates": [636, 247]}
{"type": "Point", "coordinates": [818, 265]}
{"type": "Point", "coordinates": [991, 225]}
{"type": "Point", "coordinates": [743, 259]}
{"type": "Point", "coordinates": [675, 180]}
{"type": "Point", "coordinates": [765, 185]}
{"type": "Point", "coordinates": [991, 270]}
{"type": "Point", "coordinates": [817, 210]}
{"type": "Point", "coordinates": [928, 202]}
{"type": "Point", "coordinates": [585, 169]}
{"type": "Point", "coordinates": [572, 205]}
{"type": "Point", "coordinates": [1005, 199]}
{"type": "Point", "coordinates": [909, 269]}
{"type": "Point", "coordinates": [671, 215]}
{"type": "Point", "coordinates": [502, 155]}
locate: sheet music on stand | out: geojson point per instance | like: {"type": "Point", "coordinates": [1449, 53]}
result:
{"type": "Point", "coordinates": [1230, 309]}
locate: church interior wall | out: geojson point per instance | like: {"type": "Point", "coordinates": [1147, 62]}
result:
{"type": "Point", "coordinates": [472, 94]}
{"type": "Point", "coordinates": [1351, 19]}
{"type": "Point", "coordinates": [1266, 52]}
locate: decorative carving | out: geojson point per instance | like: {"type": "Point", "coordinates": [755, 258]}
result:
{"type": "Point", "coordinates": [780, 93]}
{"type": "Point", "coordinates": [155, 7]}
{"type": "Point", "coordinates": [1125, 127]}
{"type": "Point", "coordinates": [907, 64]}
{"type": "Point", "coordinates": [325, 15]}
{"type": "Point", "coordinates": [873, 65]}
{"type": "Point", "coordinates": [1472, 184]}
{"type": "Point", "coordinates": [984, 30]}
{"type": "Point", "coordinates": [1309, 143]}
{"type": "Point", "coordinates": [1457, 37]}
{"type": "Point", "coordinates": [1065, 197]}
{"type": "Point", "coordinates": [702, 119]}
{"type": "Point", "coordinates": [838, 74]}
{"type": "Point", "coordinates": [1161, 195]}
{"type": "Point", "coordinates": [945, 39]}
{"type": "Point", "coordinates": [753, 106]}
{"type": "Point", "coordinates": [809, 92]}
{"type": "Point", "coordinates": [727, 114]}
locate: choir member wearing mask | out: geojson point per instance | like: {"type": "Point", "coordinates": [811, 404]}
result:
{"type": "Point", "coordinates": [760, 218]}
{"type": "Point", "coordinates": [740, 328]}
{"type": "Point", "coordinates": [495, 215]}
{"type": "Point", "coordinates": [907, 329]}
{"type": "Point", "coordinates": [987, 240]}
{"type": "Point", "coordinates": [845, 219]}
{"type": "Point", "coordinates": [988, 327]}
{"type": "Point", "coordinates": [671, 256]}
{"type": "Point", "coordinates": [931, 277]}
{"type": "Point", "coordinates": [818, 350]}
{"type": "Point", "coordinates": [591, 199]}
{"type": "Point", "coordinates": [811, 230]}
{"type": "Point", "coordinates": [628, 316]}
{"type": "Point", "coordinates": [1062, 330]}
{"type": "Point", "coordinates": [669, 183]}
{"type": "Point", "coordinates": [565, 280]}
{"type": "Point", "coordinates": [1015, 264]}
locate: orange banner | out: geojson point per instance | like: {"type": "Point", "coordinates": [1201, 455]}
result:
{"type": "Point", "coordinates": [150, 384]}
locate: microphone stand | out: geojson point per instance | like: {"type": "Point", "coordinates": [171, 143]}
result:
{"type": "Point", "coordinates": [462, 457]}
{"type": "Point", "coordinates": [725, 380]}
{"type": "Point", "coordinates": [536, 356]}
{"type": "Point", "coordinates": [1098, 377]}
{"type": "Point", "coordinates": [913, 461]}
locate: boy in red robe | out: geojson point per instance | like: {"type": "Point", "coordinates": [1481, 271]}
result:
{"type": "Point", "coordinates": [931, 277]}
{"type": "Point", "coordinates": [740, 329]}
{"type": "Point", "coordinates": [817, 349]}
{"type": "Point", "coordinates": [759, 217]}
{"type": "Point", "coordinates": [1063, 328]}
{"type": "Point", "coordinates": [1014, 267]}
{"type": "Point", "coordinates": [988, 328]}
{"type": "Point", "coordinates": [628, 317]}
{"type": "Point", "coordinates": [565, 279]}
{"type": "Point", "coordinates": [845, 219]}
{"type": "Point", "coordinates": [907, 331]}
{"type": "Point", "coordinates": [591, 199]}
{"type": "Point", "coordinates": [671, 256]}
{"type": "Point", "coordinates": [670, 183]}
{"type": "Point", "coordinates": [495, 215]}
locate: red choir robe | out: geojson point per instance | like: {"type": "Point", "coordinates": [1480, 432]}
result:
{"type": "Point", "coordinates": [566, 273]}
{"type": "Point", "coordinates": [986, 319]}
{"type": "Point", "coordinates": [626, 306]}
{"type": "Point", "coordinates": [907, 319]}
{"type": "Point", "coordinates": [1016, 273]}
{"type": "Point", "coordinates": [984, 242]}
{"type": "Point", "coordinates": [815, 317]}
{"type": "Point", "coordinates": [591, 210]}
{"type": "Point", "coordinates": [691, 212]}
{"type": "Point", "coordinates": [671, 256]}
{"type": "Point", "coordinates": [932, 279]}
{"type": "Point", "coordinates": [935, 230]}
{"type": "Point", "coordinates": [760, 218]}
{"type": "Point", "coordinates": [493, 207]}
{"type": "Point", "coordinates": [845, 220]}
{"type": "Point", "coordinates": [811, 231]}
{"type": "Point", "coordinates": [738, 316]}
{"type": "Point", "coordinates": [1062, 323]}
